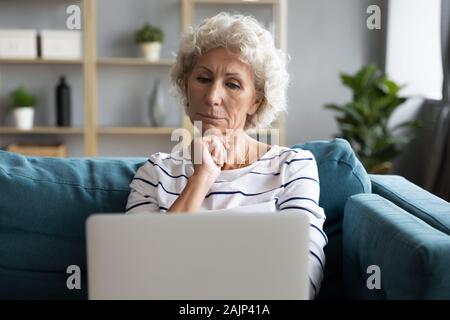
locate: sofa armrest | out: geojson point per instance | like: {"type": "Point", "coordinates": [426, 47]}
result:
{"type": "Point", "coordinates": [417, 201]}
{"type": "Point", "coordinates": [413, 257]}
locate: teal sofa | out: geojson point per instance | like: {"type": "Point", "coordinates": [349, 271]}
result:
{"type": "Point", "coordinates": [384, 221]}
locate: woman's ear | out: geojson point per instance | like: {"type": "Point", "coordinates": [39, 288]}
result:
{"type": "Point", "coordinates": [257, 103]}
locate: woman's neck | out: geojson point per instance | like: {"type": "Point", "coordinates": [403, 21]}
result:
{"type": "Point", "coordinates": [243, 151]}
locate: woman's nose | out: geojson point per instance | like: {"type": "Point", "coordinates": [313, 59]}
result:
{"type": "Point", "coordinates": [215, 94]}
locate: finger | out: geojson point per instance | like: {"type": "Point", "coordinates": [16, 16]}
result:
{"type": "Point", "coordinates": [220, 157]}
{"type": "Point", "coordinates": [207, 157]}
{"type": "Point", "coordinates": [197, 150]}
{"type": "Point", "coordinates": [217, 147]}
{"type": "Point", "coordinates": [209, 140]}
{"type": "Point", "coordinates": [216, 150]}
{"type": "Point", "coordinates": [223, 143]}
{"type": "Point", "coordinates": [219, 139]}
{"type": "Point", "coordinates": [211, 151]}
{"type": "Point", "coordinates": [205, 151]}
{"type": "Point", "coordinates": [225, 156]}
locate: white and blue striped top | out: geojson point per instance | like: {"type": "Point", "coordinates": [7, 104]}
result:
{"type": "Point", "coordinates": [282, 179]}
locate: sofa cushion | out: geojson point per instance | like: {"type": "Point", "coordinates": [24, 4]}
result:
{"type": "Point", "coordinates": [423, 204]}
{"type": "Point", "coordinates": [413, 258]}
{"type": "Point", "coordinates": [44, 203]}
{"type": "Point", "coordinates": [341, 175]}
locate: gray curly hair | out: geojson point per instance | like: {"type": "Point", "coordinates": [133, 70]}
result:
{"type": "Point", "coordinates": [256, 47]}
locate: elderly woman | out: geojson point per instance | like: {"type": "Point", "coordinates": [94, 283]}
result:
{"type": "Point", "coordinates": [230, 78]}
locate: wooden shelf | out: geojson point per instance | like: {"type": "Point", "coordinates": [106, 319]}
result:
{"type": "Point", "coordinates": [134, 61]}
{"type": "Point", "coordinates": [42, 130]}
{"type": "Point", "coordinates": [135, 130]}
{"type": "Point", "coordinates": [39, 61]}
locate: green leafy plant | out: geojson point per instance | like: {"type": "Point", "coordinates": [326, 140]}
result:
{"type": "Point", "coordinates": [364, 120]}
{"type": "Point", "coordinates": [149, 33]}
{"type": "Point", "coordinates": [21, 98]}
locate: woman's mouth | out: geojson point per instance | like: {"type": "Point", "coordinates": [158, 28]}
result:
{"type": "Point", "coordinates": [206, 116]}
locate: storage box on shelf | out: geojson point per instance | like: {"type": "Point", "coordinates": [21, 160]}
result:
{"type": "Point", "coordinates": [61, 44]}
{"type": "Point", "coordinates": [18, 43]}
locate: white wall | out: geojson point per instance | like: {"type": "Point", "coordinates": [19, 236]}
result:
{"type": "Point", "coordinates": [325, 38]}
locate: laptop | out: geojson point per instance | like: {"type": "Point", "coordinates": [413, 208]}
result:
{"type": "Point", "coordinates": [202, 256]}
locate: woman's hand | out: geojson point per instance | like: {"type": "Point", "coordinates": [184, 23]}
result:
{"type": "Point", "coordinates": [213, 156]}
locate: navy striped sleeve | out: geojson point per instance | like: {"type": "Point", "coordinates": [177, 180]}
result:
{"type": "Point", "coordinates": [300, 194]}
{"type": "Point", "coordinates": [142, 197]}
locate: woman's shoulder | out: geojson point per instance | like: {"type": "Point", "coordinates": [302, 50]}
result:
{"type": "Point", "coordinates": [163, 164]}
{"type": "Point", "coordinates": [291, 161]}
{"type": "Point", "coordinates": [281, 160]}
{"type": "Point", "coordinates": [165, 157]}
{"type": "Point", "coordinates": [287, 153]}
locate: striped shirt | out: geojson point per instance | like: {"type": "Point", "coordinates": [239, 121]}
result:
{"type": "Point", "coordinates": [282, 179]}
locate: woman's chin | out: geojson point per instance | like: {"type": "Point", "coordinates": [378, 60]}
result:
{"type": "Point", "coordinates": [211, 127]}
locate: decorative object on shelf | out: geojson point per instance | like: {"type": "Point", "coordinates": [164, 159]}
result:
{"type": "Point", "coordinates": [63, 103]}
{"type": "Point", "coordinates": [23, 104]}
{"type": "Point", "coordinates": [18, 43]}
{"type": "Point", "coordinates": [150, 39]}
{"type": "Point", "coordinates": [363, 122]}
{"type": "Point", "coordinates": [47, 150]}
{"type": "Point", "coordinates": [156, 106]}
{"type": "Point", "coordinates": [60, 44]}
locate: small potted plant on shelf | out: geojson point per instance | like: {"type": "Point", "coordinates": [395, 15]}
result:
{"type": "Point", "coordinates": [23, 104]}
{"type": "Point", "coordinates": [150, 39]}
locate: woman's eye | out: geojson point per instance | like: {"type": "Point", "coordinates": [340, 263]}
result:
{"type": "Point", "coordinates": [233, 86]}
{"type": "Point", "coordinates": [202, 79]}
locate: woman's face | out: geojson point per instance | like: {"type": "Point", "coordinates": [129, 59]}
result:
{"type": "Point", "coordinates": [221, 91]}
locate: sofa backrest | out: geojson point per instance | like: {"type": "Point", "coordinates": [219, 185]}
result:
{"type": "Point", "coordinates": [44, 203]}
{"type": "Point", "coordinates": [341, 175]}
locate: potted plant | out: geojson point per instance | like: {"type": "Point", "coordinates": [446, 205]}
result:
{"type": "Point", "coordinates": [150, 39]}
{"type": "Point", "coordinates": [23, 105]}
{"type": "Point", "coordinates": [363, 122]}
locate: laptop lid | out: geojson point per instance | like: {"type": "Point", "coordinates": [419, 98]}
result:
{"type": "Point", "coordinates": [198, 256]}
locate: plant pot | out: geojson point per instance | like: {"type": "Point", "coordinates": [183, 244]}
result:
{"type": "Point", "coordinates": [151, 50]}
{"type": "Point", "coordinates": [382, 168]}
{"type": "Point", "coordinates": [24, 117]}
